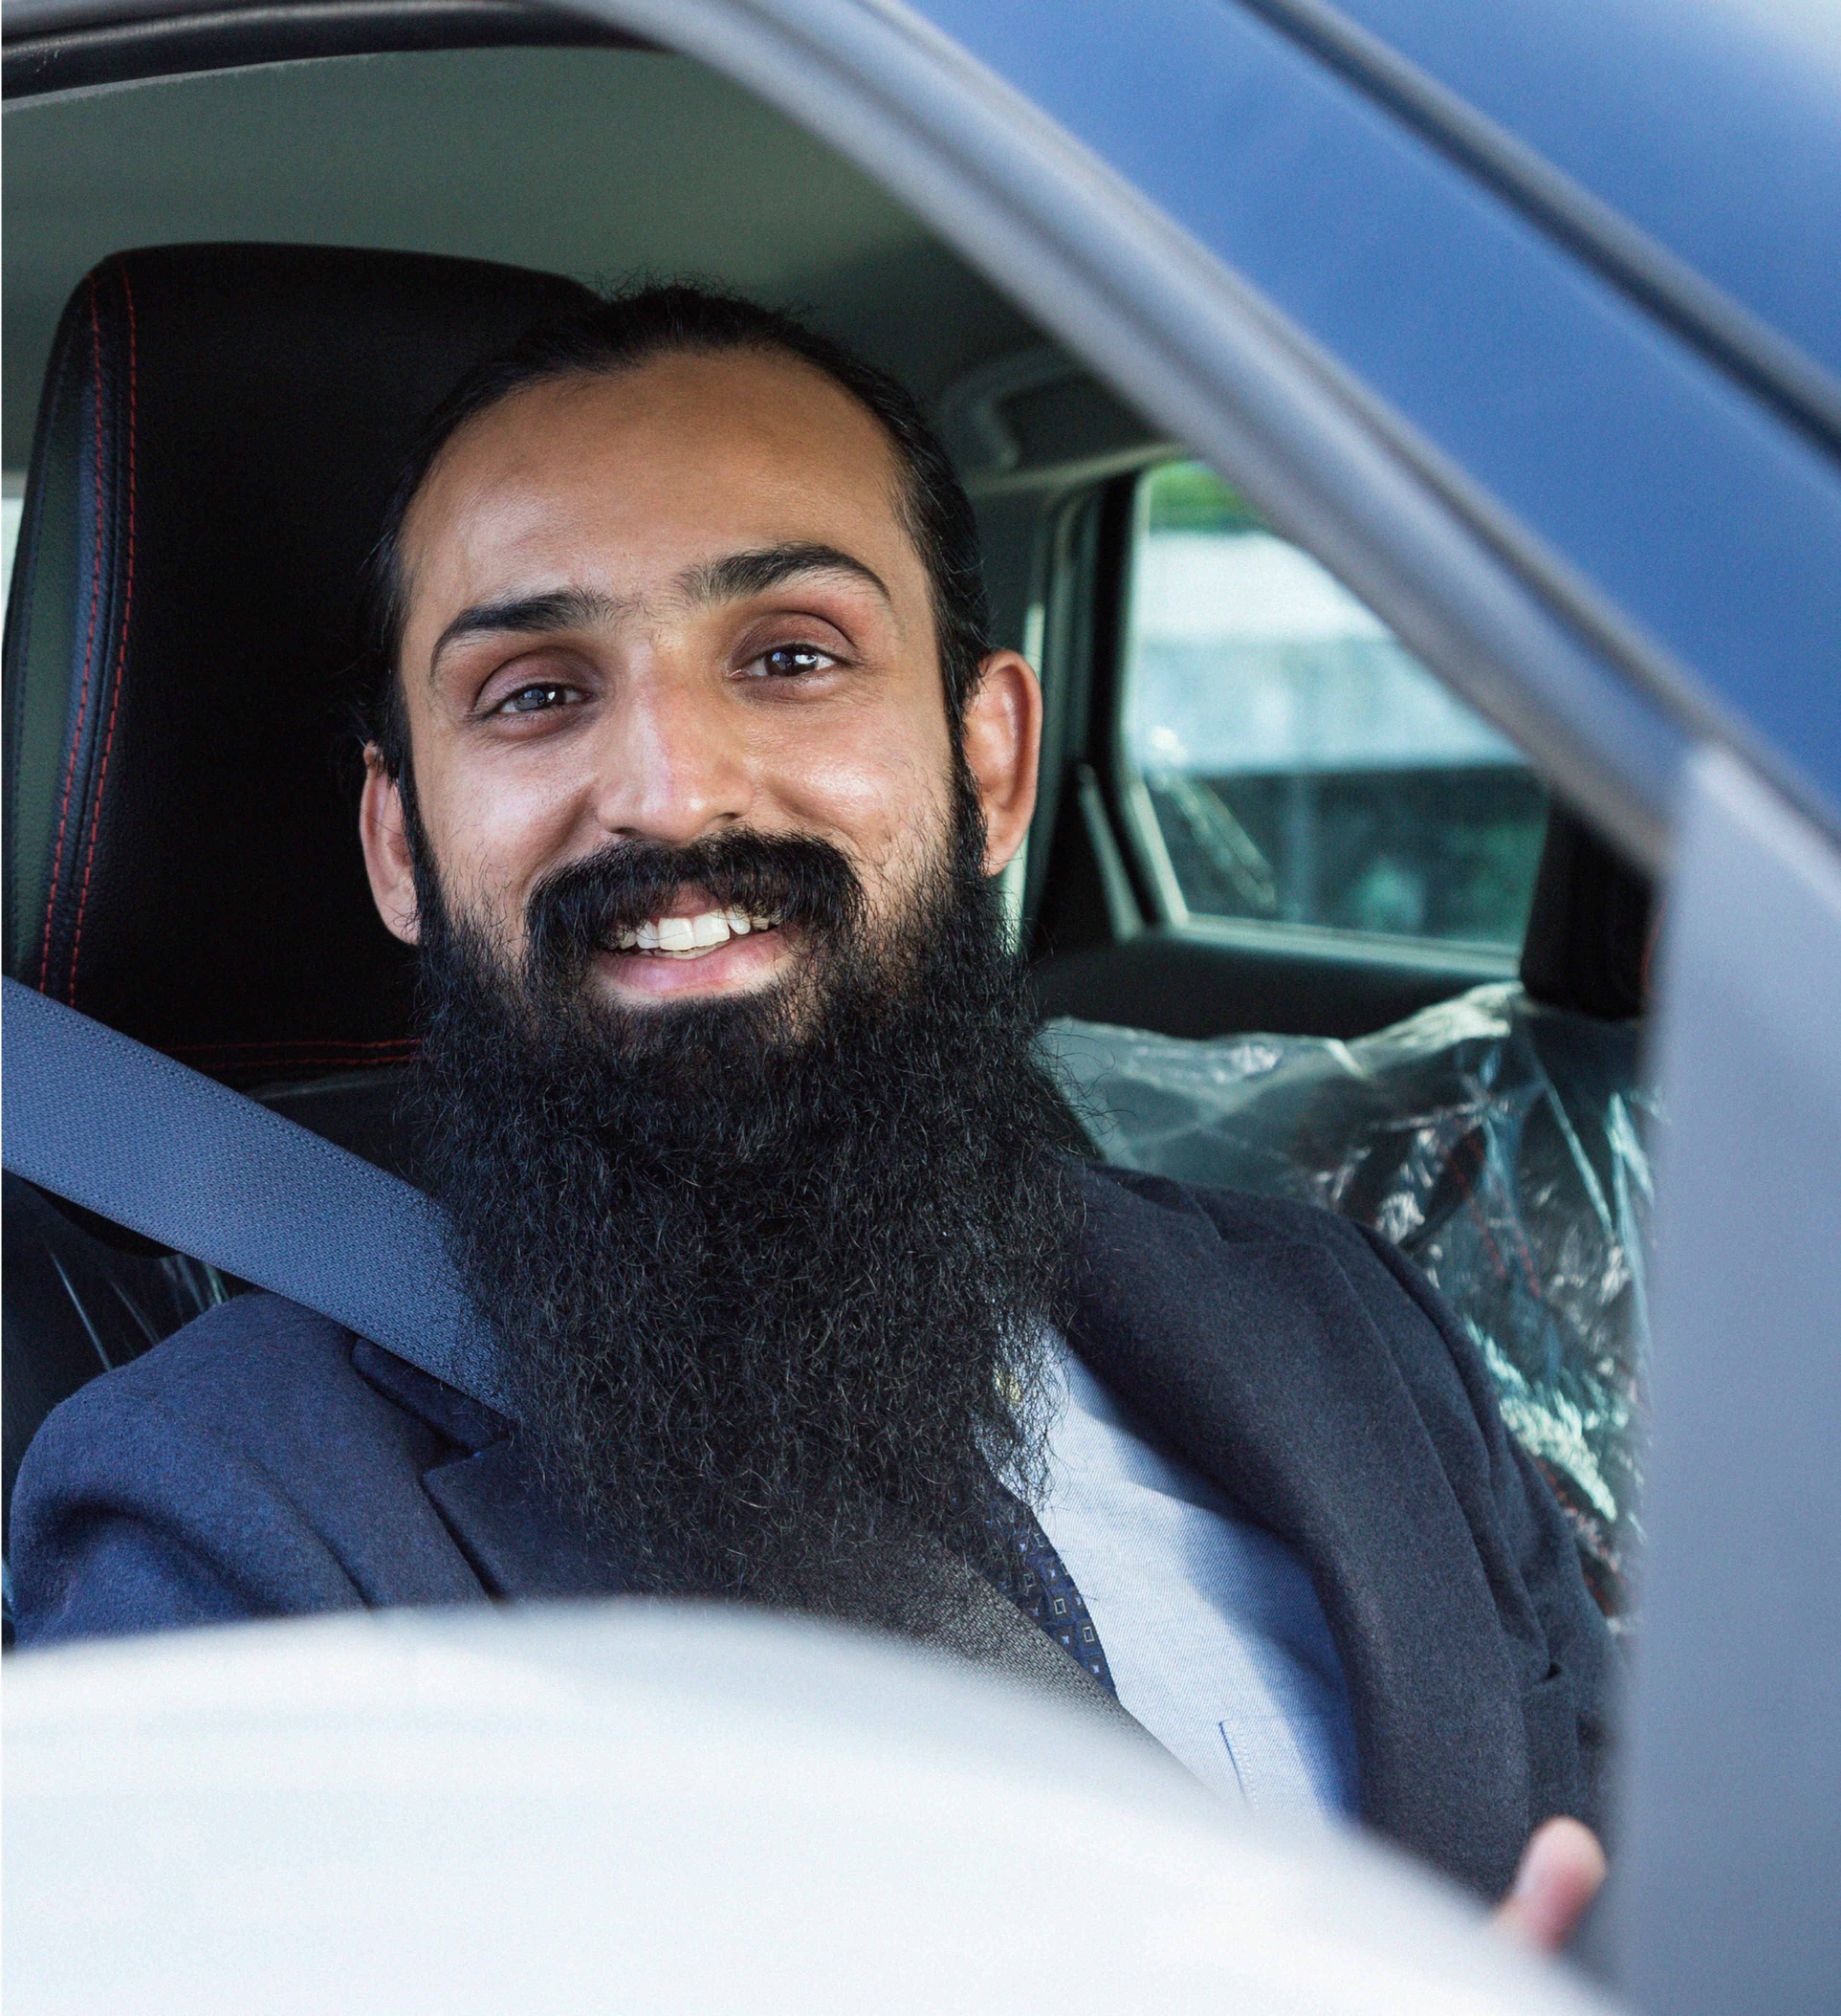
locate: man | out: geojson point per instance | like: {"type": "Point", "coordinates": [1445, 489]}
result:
{"type": "Point", "coordinates": [690, 772]}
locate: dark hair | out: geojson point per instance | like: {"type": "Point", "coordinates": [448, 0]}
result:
{"type": "Point", "coordinates": [609, 336]}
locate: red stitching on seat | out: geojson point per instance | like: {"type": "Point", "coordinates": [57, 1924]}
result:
{"type": "Point", "coordinates": [95, 809]}
{"type": "Point", "coordinates": [96, 584]}
{"type": "Point", "coordinates": [269, 1047]}
{"type": "Point", "coordinates": [204, 1058]}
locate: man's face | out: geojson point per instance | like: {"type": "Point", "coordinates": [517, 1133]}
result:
{"type": "Point", "coordinates": [763, 1304]}
{"type": "Point", "coordinates": [661, 607]}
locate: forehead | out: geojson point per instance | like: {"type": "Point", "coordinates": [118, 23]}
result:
{"type": "Point", "coordinates": [735, 450]}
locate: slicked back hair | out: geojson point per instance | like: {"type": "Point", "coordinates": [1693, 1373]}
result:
{"type": "Point", "coordinates": [619, 335]}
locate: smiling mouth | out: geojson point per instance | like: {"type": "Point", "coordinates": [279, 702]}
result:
{"type": "Point", "coordinates": [686, 938]}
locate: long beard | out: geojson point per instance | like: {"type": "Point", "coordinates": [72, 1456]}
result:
{"type": "Point", "coordinates": [770, 1273]}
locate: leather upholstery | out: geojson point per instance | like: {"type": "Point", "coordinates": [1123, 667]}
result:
{"type": "Point", "coordinates": [81, 1298]}
{"type": "Point", "coordinates": [219, 430]}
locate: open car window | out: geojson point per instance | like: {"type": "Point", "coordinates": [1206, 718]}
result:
{"type": "Point", "coordinates": [11, 500]}
{"type": "Point", "coordinates": [1287, 762]}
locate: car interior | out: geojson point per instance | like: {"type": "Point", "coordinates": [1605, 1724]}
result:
{"type": "Point", "coordinates": [240, 265]}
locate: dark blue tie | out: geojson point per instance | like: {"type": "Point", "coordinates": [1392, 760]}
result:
{"type": "Point", "coordinates": [1044, 1591]}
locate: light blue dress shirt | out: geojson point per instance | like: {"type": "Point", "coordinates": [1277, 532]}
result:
{"type": "Point", "coordinates": [1212, 1628]}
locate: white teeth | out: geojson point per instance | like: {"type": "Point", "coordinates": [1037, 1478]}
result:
{"type": "Point", "coordinates": [685, 935]}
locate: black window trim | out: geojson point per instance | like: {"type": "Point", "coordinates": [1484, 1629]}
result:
{"type": "Point", "coordinates": [88, 55]}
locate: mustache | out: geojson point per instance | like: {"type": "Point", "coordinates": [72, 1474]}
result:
{"type": "Point", "coordinates": [797, 877]}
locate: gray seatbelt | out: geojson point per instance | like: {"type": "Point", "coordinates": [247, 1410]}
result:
{"type": "Point", "coordinates": [104, 1122]}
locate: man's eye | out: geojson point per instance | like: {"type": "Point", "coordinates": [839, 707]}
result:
{"type": "Point", "coordinates": [789, 661]}
{"type": "Point", "coordinates": [537, 697]}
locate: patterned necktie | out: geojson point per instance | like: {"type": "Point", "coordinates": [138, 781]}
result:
{"type": "Point", "coordinates": [1044, 1592]}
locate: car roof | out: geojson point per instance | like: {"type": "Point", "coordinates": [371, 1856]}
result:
{"type": "Point", "coordinates": [1602, 92]}
{"type": "Point", "coordinates": [434, 151]}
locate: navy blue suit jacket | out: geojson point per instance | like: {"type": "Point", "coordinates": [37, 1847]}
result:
{"type": "Point", "coordinates": [264, 1462]}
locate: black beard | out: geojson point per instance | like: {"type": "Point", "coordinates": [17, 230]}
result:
{"type": "Point", "coordinates": [770, 1272]}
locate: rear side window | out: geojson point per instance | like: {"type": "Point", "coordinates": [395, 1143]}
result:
{"type": "Point", "coordinates": [12, 504]}
{"type": "Point", "coordinates": [1286, 761]}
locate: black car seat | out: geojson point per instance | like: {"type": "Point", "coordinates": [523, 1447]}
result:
{"type": "Point", "coordinates": [219, 428]}
{"type": "Point", "coordinates": [1497, 1137]}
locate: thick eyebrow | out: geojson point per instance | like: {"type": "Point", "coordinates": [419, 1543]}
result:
{"type": "Point", "coordinates": [736, 576]}
{"type": "Point", "coordinates": [732, 578]}
{"type": "Point", "coordinates": [537, 615]}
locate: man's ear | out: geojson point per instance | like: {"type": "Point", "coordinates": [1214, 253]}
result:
{"type": "Point", "coordinates": [384, 837]}
{"type": "Point", "coordinates": [1002, 739]}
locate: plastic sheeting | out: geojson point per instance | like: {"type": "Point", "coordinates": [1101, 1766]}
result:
{"type": "Point", "coordinates": [1499, 1143]}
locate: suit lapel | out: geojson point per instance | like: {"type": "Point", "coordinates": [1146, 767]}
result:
{"type": "Point", "coordinates": [520, 1540]}
{"type": "Point", "coordinates": [1259, 1363]}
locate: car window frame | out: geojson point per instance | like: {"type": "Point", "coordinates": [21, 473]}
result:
{"type": "Point", "coordinates": [1155, 877]}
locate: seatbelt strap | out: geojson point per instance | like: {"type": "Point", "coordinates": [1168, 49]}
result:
{"type": "Point", "coordinates": [106, 1123]}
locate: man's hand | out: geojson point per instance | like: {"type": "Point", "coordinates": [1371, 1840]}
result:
{"type": "Point", "coordinates": [1561, 1870]}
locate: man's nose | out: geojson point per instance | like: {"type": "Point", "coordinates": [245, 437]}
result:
{"type": "Point", "coordinates": [672, 765]}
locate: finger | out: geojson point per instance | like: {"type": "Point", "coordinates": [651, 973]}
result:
{"type": "Point", "coordinates": [1561, 1870]}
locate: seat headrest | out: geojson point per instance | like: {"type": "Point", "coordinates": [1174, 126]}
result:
{"type": "Point", "coordinates": [220, 428]}
{"type": "Point", "coordinates": [1591, 926]}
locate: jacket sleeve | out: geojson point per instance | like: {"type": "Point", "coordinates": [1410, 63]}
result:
{"type": "Point", "coordinates": [129, 1516]}
{"type": "Point", "coordinates": [243, 1468]}
{"type": "Point", "coordinates": [1571, 1669]}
